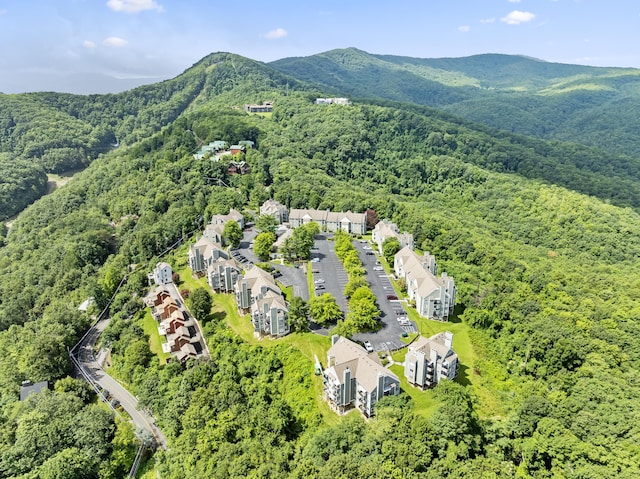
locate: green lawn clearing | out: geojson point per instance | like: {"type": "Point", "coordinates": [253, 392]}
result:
{"type": "Point", "coordinates": [150, 327]}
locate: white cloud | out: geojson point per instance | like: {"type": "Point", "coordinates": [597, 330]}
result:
{"type": "Point", "coordinates": [88, 44]}
{"type": "Point", "coordinates": [517, 17]}
{"type": "Point", "coordinates": [115, 42]}
{"type": "Point", "coordinates": [134, 6]}
{"type": "Point", "coordinates": [275, 34]}
{"type": "Point", "coordinates": [464, 28]}
{"type": "Point", "coordinates": [487, 20]}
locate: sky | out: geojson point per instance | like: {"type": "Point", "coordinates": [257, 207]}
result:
{"type": "Point", "coordinates": [96, 46]}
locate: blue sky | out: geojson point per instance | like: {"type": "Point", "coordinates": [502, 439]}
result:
{"type": "Point", "coordinates": [64, 44]}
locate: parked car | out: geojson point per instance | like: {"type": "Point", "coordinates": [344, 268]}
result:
{"type": "Point", "coordinates": [276, 274]}
{"type": "Point", "coordinates": [319, 281]}
{"type": "Point", "coordinates": [319, 286]}
{"type": "Point", "coordinates": [315, 260]}
{"type": "Point", "coordinates": [378, 268]}
{"type": "Point", "coordinates": [392, 297]}
{"type": "Point", "coordinates": [369, 253]}
{"type": "Point", "coordinates": [368, 346]}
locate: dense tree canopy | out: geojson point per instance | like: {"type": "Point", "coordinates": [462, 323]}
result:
{"type": "Point", "coordinates": [547, 310]}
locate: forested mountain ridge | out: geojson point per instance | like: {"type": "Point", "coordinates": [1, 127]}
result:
{"type": "Point", "coordinates": [593, 106]}
{"type": "Point", "coordinates": [61, 132]}
{"type": "Point", "coordinates": [547, 279]}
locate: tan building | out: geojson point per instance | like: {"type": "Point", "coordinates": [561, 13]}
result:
{"type": "Point", "coordinates": [273, 208]}
{"type": "Point", "coordinates": [258, 294]}
{"type": "Point", "coordinates": [430, 360]}
{"type": "Point", "coordinates": [352, 223]}
{"type": "Point", "coordinates": [204, 253]}
{"type": "Point", "coordinates": [386, 229]}
{"type": "Point", "coordinates": [434, 296]}
{"type": "Point", "coordinates": [356, 379]}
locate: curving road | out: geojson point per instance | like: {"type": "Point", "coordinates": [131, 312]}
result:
{"type": "Point", "coordinates": [92, 372]}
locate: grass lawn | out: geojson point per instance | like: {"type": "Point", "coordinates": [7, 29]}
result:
{"type": "Point", "coordinates": [309, 344]}
{"type": "Point", "coordinates": [409, 339]}
{"type": "Point", "coordinates": [288, 292]}
{"type": "Point", "coordinates": [423, 401]}
{"type": "Point", "coordinates": [150, 327]}
{"type": "Point", "coordinates": [490, 401]}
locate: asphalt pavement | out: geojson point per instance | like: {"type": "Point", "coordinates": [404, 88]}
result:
{"type": "Point", "coordinates": [329, 268]}
{"type": "Point", "coordinates": [93, 372]}
{"type": "Point", "coordinates": [387, 338]}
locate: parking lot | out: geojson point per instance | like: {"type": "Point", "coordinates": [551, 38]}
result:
{"type": "Point", "coordinates": [286, 275]}
{"type": "Point", "coordinates": [393, 314]}
{"type": "Point", "coordinates": [330, 277]}
{"type": "Point", "coordinates": [243, 254]}
{"type": "Point", "coordinates": [328, 268]}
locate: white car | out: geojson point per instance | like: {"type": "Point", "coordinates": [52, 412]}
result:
{"type": "Point", "coordinates": [378, 268]}
{"type": "Point", "coordinates": [368, 346]}
{"type": "Point", "coordinates": [367, 247]}
{"type": "Point", "coordinates": [319, 281]}
{"type": "Point", "coordinates": [315, 260]}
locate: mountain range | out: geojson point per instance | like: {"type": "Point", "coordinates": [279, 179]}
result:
{"type": "Point", "coordinates": [521, 177]}
{"type": "Point", "coordinates": [589, 106]}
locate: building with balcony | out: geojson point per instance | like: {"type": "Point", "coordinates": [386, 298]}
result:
{"type": "Point", "coordinates": [204, 253]}
{"type": "Point", "coordinates": [356, 379]}
{"type": "Point", "coordinates": [352, 223]}
{"type": "Point", "coordinates": [161, 274]}
{"type": "Point", "coordinates": [258, 294]}
{"type": "Point", "coordinates": [429, 360]}
{"type": "Point", "coordinates": [385, 229]}
{"type": "Point", "coordinates": [222, 275]}
{"type": "Point", "coordinates": [234, 215]}
{"type": "Point", "coordinates": [273, 208]}
{"type": "Point", "coordinates": [434, 296]}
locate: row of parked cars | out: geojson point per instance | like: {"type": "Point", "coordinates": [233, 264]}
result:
{"type": "Point", "coordinates": [240, 257]}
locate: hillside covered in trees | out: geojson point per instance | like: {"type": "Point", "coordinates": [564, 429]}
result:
{"type": "Point", "coordinates": [541, 238]}
{"type": "Point", "coordinates": [592, 106]}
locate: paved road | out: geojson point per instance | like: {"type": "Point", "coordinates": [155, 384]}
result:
{"type": "Point", "coordinates": [93, 372]}
{"type": "Point", "coordinates": [389, 336]}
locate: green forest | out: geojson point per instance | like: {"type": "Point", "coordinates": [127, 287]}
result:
{"type": "Point", "coordinates": [541, 237]}
{"type": "Point", "coordinates": [592, 106]}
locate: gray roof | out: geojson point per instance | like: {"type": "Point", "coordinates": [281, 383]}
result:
{"type": "Point", "coordinates": [364, 367]}
{"type": "Point", "coordinates": [437, 342]}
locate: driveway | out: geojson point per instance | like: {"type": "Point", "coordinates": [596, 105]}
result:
{"type": "Point", "coordinates": [388, 338]}
{"type": "Point", "coordinates": [245, 250]}
{"type": "Point", "coordinates": [296, 277]}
